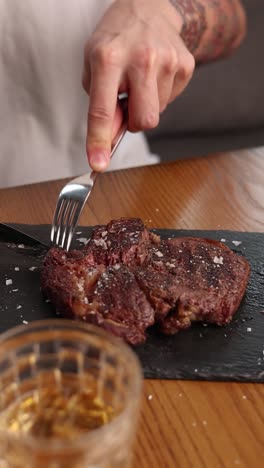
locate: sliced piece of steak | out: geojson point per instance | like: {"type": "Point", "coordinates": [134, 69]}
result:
{"type": "Point", "coordinates": [118, 304]}
{"type": "Point", "coordinates": [160, 287]}
{"type": "Point", "coordinates": [204, 277]}
{"type": "Point", "coordinates": [66, 276]}
{"type": "Point", "coordinates": [121, 241]}
{"type": "Point", "coordinates": [105, 296]}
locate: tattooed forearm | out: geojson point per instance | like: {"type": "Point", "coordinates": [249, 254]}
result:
{"type": "Point", "coordinates": [211, 28]}
{"type": "Point", "coordinates": [194, 21]}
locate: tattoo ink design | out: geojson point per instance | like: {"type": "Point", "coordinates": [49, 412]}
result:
{"type": "Point", "coordinates": [225, 30]}
{"type": "Point", "coordinates": [193, 14]}
{"type": "Point", "coordinates": [220, 37]}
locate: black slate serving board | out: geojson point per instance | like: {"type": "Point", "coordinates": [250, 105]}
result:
{"type": "Point", "coordinates": [231, 353]}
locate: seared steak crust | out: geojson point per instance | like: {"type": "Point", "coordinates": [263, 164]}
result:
{"type": "Point", "coordinates": [126, 278]}
{"type": "Point", "coordinates": [209, 281]}
{"type": "Point", "coordinates": [122, 241]}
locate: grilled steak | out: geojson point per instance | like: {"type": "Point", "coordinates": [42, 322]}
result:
{"type": "Point", "coordinates": [193, 280]}
{"type": "Point", "coordinates": [126, 279]}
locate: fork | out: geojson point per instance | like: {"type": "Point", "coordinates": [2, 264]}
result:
{"type": "Point", "coordinates": [74, 195]}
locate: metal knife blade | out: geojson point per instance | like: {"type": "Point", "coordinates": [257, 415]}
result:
{"type": "Point", "coordinates": [22, 243]}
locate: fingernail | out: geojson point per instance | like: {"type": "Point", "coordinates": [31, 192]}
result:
{"type": "Point", "coordinates": [99, 160]}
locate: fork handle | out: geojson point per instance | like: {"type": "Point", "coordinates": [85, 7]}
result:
{"type": "Point", "coordinates": [123, 102]}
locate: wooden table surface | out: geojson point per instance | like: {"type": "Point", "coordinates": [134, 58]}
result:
{"type": "Point", "coordinates": [185, 424]}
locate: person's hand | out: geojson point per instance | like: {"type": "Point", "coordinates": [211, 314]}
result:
{"type": "Point", "coordinates": [136, 48]}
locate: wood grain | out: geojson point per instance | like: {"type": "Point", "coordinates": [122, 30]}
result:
{"type": "Point", "coordinates": [184, 424]}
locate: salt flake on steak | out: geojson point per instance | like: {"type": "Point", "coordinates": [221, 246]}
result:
{"type": "Point", "coordinates": [218, 260]}
{"type": "Point", "coordinates": [159, 254]}
{"type": "Point", "coordinates": [100, 243]}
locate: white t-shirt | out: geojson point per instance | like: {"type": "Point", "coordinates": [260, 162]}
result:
{"type": "Point", "coordinates": [43, 107]}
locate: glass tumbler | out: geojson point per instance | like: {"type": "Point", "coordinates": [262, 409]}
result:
{"type": "Point", "coordinates": [69, 397]}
